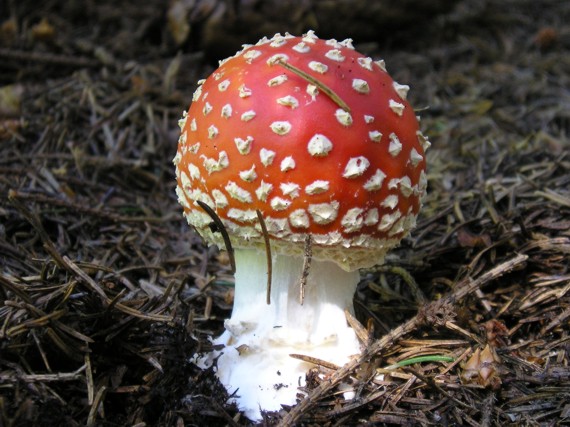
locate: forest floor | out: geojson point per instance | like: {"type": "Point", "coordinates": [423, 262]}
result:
{"type": "Point", "coordinates": [106, 293]}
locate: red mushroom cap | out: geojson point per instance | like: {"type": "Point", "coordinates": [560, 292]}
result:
{"type": "Point", "coordinates": [261, 136]}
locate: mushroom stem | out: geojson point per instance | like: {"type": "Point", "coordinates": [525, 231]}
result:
{"type": "Point", "coordinates": [259, 338]}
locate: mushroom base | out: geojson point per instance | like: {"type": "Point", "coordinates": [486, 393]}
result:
{"type": "Point", "coordinates": [259, 338]}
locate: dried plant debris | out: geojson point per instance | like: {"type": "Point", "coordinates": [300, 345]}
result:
{"type": "Point", "coordinates": [106, 296]}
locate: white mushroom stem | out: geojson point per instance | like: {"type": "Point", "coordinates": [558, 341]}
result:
{"type": "Point", "coordinates": [255, 363]}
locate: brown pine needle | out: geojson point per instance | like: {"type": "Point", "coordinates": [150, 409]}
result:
{"type": "Point", "coordinates": [361, 332]}
{"type": "Point", "coordinates": [267, 252]}
{"type": "Point", "coordinates": [315, 361]}
{"type": "Point", "coordinates": [306, 268]}
{"type": "Point", "coordinates": [324, 88]}
{"type": "Point", "coordinates": [219, 226]}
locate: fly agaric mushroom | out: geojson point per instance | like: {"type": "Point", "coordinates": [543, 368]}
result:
{"type": "Point", "coordinates": [322, 142]}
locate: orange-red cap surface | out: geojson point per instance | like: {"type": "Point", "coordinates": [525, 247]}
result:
{"type": "Point", "coordinates": [259, 135]}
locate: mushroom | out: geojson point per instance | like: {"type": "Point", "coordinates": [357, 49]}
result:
{"type": "Point", "coordinates": [319, 140]}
